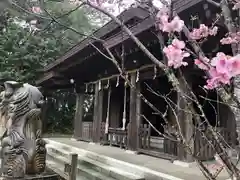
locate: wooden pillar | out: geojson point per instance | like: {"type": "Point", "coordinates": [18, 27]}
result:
{"type": "Point", "coordinates": [186, 123]}
{"type": "Point", "coordinates": [95, 112]}
{"type": "Point", "coordinates": [78, 115]}
{"type": "Point", "coordinates": [74, 163]}
{"type": "Point", "coordinates": [138, 113]}
{"type": "Point", "coordinates": [98, 113]}
{"type": "Point", "coordinates": [133, 124]}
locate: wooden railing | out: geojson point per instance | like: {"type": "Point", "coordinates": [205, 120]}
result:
{"type": "Point", "coordinates": [170, 147]}
{"type": "Point", "coordinates": [70, 169]}
{"type": "Point", "coordinates": [87, 131]}
{"type": "Point", "coordinates": [102, 131]}
{"type": "Point", "coordinates": [117, 137]}
{"type": "Point", "coordinates": [155, 146]}
{"type": "Point", "coordinates": [205, 146]}
{"type": "Point", "coordinates": [145, 136]}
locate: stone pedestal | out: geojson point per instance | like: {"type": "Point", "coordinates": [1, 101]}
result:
{"type": "Point", "coordinates": [47, 175]}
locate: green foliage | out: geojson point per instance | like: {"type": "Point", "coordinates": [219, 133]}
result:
{"type": "Point", "coordinates": [24, 52]}
{"type": "Point", "coordinates": [78, 19]}
{"type": "Point", "coordinates": [60, 112]}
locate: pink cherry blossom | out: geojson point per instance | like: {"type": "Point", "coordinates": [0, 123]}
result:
{"type": "Point", "coordinates": [36, 10]}
{"type": "Point", "coordinates": [216, 79]}
{"type": "Point", "coordinates": [220, 55]}
{"type": "Point", "coordinates": [203, 31]}
{"type": "Point", "coordinates": [202, 64]}
{"type": "Point", "coordinates": [178, 44]}
{"type": "Point", "coordinates": [213, 31]}
{"type": "Point", "coordinates": [176, 54]}
{"type": "Point", "coordinates": [236, 4]}
{"type": "Point", "coordinates": [232, 38]}
{"type": "Point", "coordinates": [196, 34]}
{"type": "Point", "coordinates": [228, 40]}
{"type": "Point", "coordinates": [234, 65]}
{"type": "Point", "coordinates": [221, 63]}
{"type": "Point", "coordinates": [163, 20]}
{"type": "Point", "coordinates": [223, 69]}
{"type": "Point", "coordinates": [163, 11]}
{"type": "Point", "coordinates": [176, 25]}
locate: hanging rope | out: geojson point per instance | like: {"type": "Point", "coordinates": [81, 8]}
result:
{"type": "Point", "coordinates": [155, 72]}
{"type": "Point", "coordinates": [137, 79]}
{"type": "Point", "coordinates": [86, 88]}
{"type": "Point", "coordinates": [117, 82]}
{"type": "Point", "coordinates": [117, 75]}
{"type": "Point", "coordinates": [124, 108]}
{"type": "Point", "coordinates": [108, 84]}
{"type": "Point", "coordinates": [108, 111]}
{"type": "Point", "coordinates": [125, 84]}
{"type": "Point", "coordinates": [99, 85]}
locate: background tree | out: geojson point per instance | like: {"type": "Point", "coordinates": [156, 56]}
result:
{"type": "Point", "coordinates": [28, 43]}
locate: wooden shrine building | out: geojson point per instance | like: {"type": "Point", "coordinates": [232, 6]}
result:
{"type": "Point", "coordinates": [120, 116]}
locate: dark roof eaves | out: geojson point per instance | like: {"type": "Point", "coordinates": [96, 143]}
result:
{"type": "Point", "coordinates": [111, 25]}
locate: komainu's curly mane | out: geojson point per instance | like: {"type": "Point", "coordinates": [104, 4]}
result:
{"type": "Point", "coordinates": [22, 144]}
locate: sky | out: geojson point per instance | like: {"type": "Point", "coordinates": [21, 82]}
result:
{"type": "Point", "coordinates": [128, 3]}
{"type": "Point", "coordinates": [113, 6]}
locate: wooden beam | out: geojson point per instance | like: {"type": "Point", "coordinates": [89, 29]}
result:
{"type": "Point", "coordinates": [78, 115]}
{"type": "Point", "coordinates": [120, 37]}
{"type": "Point", "coordinates": [60, 82]}
{"type": "Point", "coordinates": [45, 77]}
{"type": "Point", "coordinates": [48, 76]}
{"type": "Point", "coordinates": [182, 5]}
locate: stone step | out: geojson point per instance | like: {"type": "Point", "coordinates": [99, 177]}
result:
{"type": "Point", "coordinates": [97, 166]}
{"type": "Point", "coordinates": [110, 162]}
{"type": "Point", "coordinates": [125, 167]}
{"type": "Point", "coordinates": [59, 169]}
{"type": "Point", "coordinates": [86, 172]}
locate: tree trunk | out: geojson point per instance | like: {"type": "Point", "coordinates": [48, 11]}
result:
{"type": "Point", "coordinates": [236, 110]}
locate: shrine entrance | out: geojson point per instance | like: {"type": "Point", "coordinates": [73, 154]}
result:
{"type": "Point", "coordinates": [116, 113]}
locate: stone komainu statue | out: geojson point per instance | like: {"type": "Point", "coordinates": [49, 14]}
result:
{"type": "Point", "coordinates": [23, 150]}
